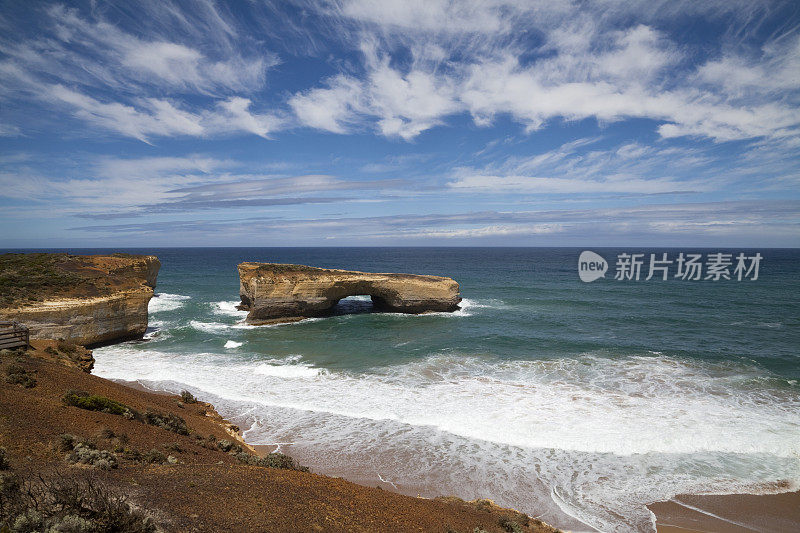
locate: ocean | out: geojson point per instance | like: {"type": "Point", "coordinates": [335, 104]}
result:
{"type": "Point", "coordinates": [575, 402]}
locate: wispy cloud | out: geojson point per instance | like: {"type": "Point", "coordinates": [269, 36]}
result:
{"type": "Point", "coordinates": [146, 186]}
{"type": "Point", "coordinates": [117, 81]}
{"type": "Point", "coordinates": [575, 168]}
{"type": "Point", "coordinates": [580, 61]}
{"type": "Point", "coordinates": [688, 223]}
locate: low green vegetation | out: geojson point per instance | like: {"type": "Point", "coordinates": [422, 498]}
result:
{"type": "Point", "coordinates": [272, 460]}
{"type": "Point", "coordinates": [188, 397]}
{"type": "Point", "coordinates": [510, 525]}
{"type": "Point", "coordinates": [66, 347]}
{"type": "Point", "coordinates": [26, 278]}
{"type": "Point", "coordinates": [228, 446]}
{"type": "Point", "coordinates": [285, 268]}
{"type": "Point", "coordinates": [94, 402]}
{"type": "Point", "coordinates": [167, 421]}
{"type": "Point", "coordinates": [154, 457]}
{"type": "Point", "coordinates": [17, 375]}
{"type": "Point", "coordinates": [85, 452]}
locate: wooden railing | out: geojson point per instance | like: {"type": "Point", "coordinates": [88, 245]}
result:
{"type": "Point", "coordinates": [14, 335]}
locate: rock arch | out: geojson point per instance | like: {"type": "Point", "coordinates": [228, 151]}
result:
{"type": "Point", "coordinates": [274, 292]}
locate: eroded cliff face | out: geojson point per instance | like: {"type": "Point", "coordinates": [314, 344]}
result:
{"type": "Point", "coordinates": [273, 292]}
{"type": "Point", "coordinates": [86, 300]}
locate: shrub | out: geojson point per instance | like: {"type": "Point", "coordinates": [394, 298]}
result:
{"type": "Point", "coordinates": [66, 442]}
{"type": "Point", "coordinates": [509, 525]}
{"type": "Point", "coordinates": [272, 460]}
{"type": "Point", "coordinates": [188, 397]}
{"type": "Point", "coordinates": [131, 455]}
{"type": "Point", "coordinates": [66, 347]}
{"type": "Point", "coordinates": [86, 453]}
{"type": "Point", "coordinates": [154, 457]}
{"type": "Point", "coordinates": [167, 421]}
{"type": "Point", "coordinates": [227, 446]}
{"type": "Point", "coordinates": [67, 504]}
{"type": "Point", "coordinates": [173, 447]}
{"type": "Point", "coordinates": [94, 402]}
{"type": "Point", "coordinates": [4, 462]}
{"type": "Point", "coordinates": [17, 375]}
{"type": "Point", "coordinates": [209, 442]}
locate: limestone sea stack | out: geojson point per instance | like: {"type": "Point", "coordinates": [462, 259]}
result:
{"type": "Point", "coordinates": [274, 292]}
{"type": "Point", "coordinates": [87, 300]}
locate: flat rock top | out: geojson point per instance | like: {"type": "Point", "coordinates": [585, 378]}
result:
{"type": "Point", "coordinates": [27, 279]}
{"type": "Point", "coordinates": [290, 270]}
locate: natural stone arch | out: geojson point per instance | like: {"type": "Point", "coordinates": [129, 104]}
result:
{"type": "Point", "coordinates": [274, 292]}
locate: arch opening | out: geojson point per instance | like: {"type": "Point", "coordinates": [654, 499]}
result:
{"type": "Point", "coordinates": [355, 304]}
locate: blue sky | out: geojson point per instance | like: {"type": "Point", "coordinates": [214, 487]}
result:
{"type": "Point", "coordinates": [416, 122]}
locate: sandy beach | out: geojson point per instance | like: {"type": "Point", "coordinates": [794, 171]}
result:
{"type": "Point", "coordinates": [728, 513]}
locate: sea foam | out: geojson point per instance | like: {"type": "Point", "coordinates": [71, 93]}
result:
{"type": "Point", "coordinates": [591, 428]}
{"type": "Point", "coordinates": [166, 302]}
{"type": "Point", "coordinates": [228, 308]}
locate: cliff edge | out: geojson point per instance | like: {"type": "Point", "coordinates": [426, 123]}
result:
{"type": "Point", "coordinates": [86, 300]}
{"type": "Point", "coordinates": [274, 292]}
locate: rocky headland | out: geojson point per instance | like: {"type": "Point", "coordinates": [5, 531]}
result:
{"type": "Point", "coordinates": [274, 292]}
{"type": "Point", "coordinates": [86, 300]}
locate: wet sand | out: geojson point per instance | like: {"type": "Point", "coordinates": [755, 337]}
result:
{"type": "Point", "coordinates": [733, 513]}
{"type": "Point", "coordinates": [367, 476]}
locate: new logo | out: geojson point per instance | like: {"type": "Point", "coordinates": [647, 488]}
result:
{"type": "Point", "coordinates": [591, 266]}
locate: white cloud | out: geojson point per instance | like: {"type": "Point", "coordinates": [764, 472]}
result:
{"type": "Point", "coordinates": [494, 230]}
{"type": "Point", "coordinates": [157, 166]}
{"type": "Point", "coordinates": [403, 105]}
{"type": "Point", "coordinates": [233, 115]}
{"type": "Point", "coordinates": [421, 63]}
{"type": "Point", "coordinates": [79, 61]}
{"type": "Point", "coordinates": [482, 16]}
{"type": "Point", "coordinates": [690, 224]}
{"type": "Point", "coordinates": [158, 117]}
{"type": "Point", "coordinates": [775, 68]}
{"type": "Point", "coordinates": [153, 117]}
{"type": "Point", "coordinates": [331, 108]}
{"type": "Point", "coordinates": [628, 169]}
{"type": "Point", "coordinates": [9, 130]}
{"type": "Point", "coordinates": [111, 56]}
{"type": "Point", "coordinates": [607, 62]}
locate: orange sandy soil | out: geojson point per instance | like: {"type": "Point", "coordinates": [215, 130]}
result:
{"type": "Point", "coordinates": [208, 490]}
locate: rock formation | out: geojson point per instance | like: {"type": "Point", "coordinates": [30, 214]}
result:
{"type": "Point", "coordinates": [86, 300]}
{"type": "Point", "coordinates": [273, 292]}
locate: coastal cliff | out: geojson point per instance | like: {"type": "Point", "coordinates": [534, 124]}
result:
{"type": "Point", "coordinates": [86, 300]}
{"type": "Point", "coordinates": [274, 292]}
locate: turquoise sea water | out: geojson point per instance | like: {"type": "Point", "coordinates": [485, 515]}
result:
{"type": "Point", "coordinates": [577, 402]}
